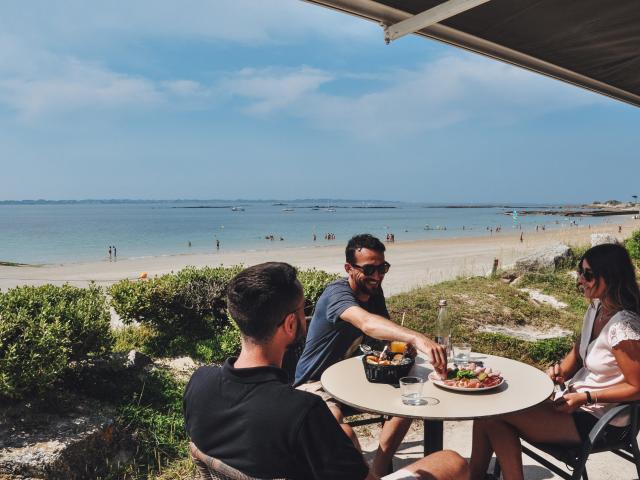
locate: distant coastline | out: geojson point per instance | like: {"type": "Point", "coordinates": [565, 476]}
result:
{"type": "Point", "coordinates": [309, 203]}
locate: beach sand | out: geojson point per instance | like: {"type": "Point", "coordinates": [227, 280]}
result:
{"type": "Point", "coordinates": [414, 263]}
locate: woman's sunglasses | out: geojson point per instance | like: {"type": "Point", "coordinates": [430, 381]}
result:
{"type": "Point", "coordinates": [586, 274]}
{"type": "Point", "coordinates": [369, 270]}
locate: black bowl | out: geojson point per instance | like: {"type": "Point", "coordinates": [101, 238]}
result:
{"type": "Point", "coordinates": [390, 374]}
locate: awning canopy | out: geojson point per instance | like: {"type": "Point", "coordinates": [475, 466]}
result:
{"type": "Point", "coordinates": [590, 43]}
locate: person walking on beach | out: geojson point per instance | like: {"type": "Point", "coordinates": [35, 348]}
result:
{"type": "Point", "coordinates": [217, 244]}
{"type": "Point", "coordinates": [110, 252]}
{"type": "Point", "coordinates": [521, 237]}
{"type": "Point", "coordinates": [246, 415]}
{"type": "Point", "coordinates": [115, 252]}
{"type": "Point", "coordinates": [348, 309]}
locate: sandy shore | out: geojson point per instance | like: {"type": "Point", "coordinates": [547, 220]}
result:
{"type": "Point", "coordinates": [414, 263]}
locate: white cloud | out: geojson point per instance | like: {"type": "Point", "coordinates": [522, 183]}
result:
{"type": "Point", "coordinates": [439, 94]}
{"type": "Point", "coordinates": [35, 83]}
{"type": "Point", "coordinates": [271, 90]}
{"type": "Point", "coordinates": [242, 21]}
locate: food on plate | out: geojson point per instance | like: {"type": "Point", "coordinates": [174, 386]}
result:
{"type": "Point", "coordinates": [471, 376]}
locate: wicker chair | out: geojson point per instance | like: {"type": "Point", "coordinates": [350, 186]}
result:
{"type": "Point", "coordinates": [210, 468]}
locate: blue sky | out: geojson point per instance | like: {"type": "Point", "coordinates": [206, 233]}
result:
{"type": "Point", "coordinates": [283, 99]}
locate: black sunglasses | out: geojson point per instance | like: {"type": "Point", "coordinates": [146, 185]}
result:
{"type": "Point", "coordinates": [369, 270]}
{"type": "Point", "coordinates": [586, 274]}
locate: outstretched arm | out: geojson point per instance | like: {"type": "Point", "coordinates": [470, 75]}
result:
{"type": "Point", "coordinates": [381, 328]}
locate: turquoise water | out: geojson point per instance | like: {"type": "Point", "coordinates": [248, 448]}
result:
{"type": "Point", "coordinates": [61, 233]}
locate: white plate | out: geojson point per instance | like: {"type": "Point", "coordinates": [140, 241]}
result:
{"type": "Point", "coordinates": [433, 376]}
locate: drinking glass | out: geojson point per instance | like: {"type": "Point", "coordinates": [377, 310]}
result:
{"type": "Point", "coordinates": [411, 390]}
{"type": "Point", "coordinates": [462, 352]}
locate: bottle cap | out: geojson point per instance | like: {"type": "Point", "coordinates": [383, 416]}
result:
{"type": "Point", "coordinates": [442, 303]}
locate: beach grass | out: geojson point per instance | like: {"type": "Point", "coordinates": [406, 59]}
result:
{"type": "Point", "coordinates": [478, 303]}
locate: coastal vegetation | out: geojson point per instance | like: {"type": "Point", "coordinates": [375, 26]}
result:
{"type": "Point", "coordinates": [633, 245]}
{"type": "Point", "coordinates": [186, 313]}
{"type": "Point", "coordinates": [45, 329]}
{"type": "Point", "coordinates": [48, 336]}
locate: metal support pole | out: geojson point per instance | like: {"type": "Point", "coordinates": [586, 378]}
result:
{"type": "Point", "coordinates": [433, 436]}
{"type": "Point", "coordinates": [429, 17]}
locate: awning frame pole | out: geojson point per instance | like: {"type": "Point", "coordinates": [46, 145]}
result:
{"type": "Point", "coordinates": [429, 17]}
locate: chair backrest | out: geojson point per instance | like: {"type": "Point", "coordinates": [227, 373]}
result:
{"type": "Point", "coordinates": [210, 468]}
{"type": "Point", "coordinates": [598, 437]}
{"type": "Point", "coordinates": [635, 418]}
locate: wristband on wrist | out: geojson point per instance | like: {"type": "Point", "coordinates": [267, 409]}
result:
{"type": "Point", "coordinates": [589, 401]}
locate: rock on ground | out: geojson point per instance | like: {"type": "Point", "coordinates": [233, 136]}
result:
{"type": "Point", "coordinates": [540, 298]}
{"type": "Point", "coordinates": [602, 238]}
{"type": "Point", "coordinates": [529, 334]}
{"type": "Point", "coordinates": [78, 444]}
{"type": "Point", "coordinates": [181, 367]}
{"type": "Point", "coordinates": [544, 259]}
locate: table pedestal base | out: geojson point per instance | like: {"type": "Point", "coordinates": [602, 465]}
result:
{"type": "Point", "coordinates": [433, 434]}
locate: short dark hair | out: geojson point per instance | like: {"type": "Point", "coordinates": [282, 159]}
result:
{"type": "Point", "coordinates": [363, 240]}
{"type": "Point", "coordinates": [611, 262]}
{"type": "Point", "coordinates": [259, 297]}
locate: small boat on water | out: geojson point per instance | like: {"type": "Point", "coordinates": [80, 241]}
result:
{"type": "Point", "coordinates": [237, 209]}
{"type": "Point", "coordinates": [331, 209]}
{"type": "Point", "coordinates": [287, 210]}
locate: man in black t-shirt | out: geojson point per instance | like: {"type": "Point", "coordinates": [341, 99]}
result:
{"type": "Point", "coordinates": [245, 414]}
{"type": "Point", "coordinates": [348, 309]}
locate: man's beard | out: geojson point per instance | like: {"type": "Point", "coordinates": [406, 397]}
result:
{"type": "Point", "coordinates": [364, 287]}
{"type": "Point", "coordinates": [301, 334]}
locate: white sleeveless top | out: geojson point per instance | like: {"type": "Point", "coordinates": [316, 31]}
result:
{"type": "Point", "coordinates": [600, 369]}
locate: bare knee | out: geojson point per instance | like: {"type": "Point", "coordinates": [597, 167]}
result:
{"type": "Point", "coordinates": [443, 465]}
{"type": "Point", "coordinates": [458, 468]}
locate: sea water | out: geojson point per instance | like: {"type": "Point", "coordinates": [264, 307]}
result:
{"type": "Point", "coordinates": [77, 232]}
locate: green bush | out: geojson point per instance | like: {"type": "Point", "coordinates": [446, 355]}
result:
{"type": "Point", "coordinates": [42, 329]}
{"type": "Point", "coordinates": [550, 350]}
{"type": "Point", "coordinates": [226, 344]}
{"type": "Point", "coordinates": [313, 283]}
{"type": "Point", "coordinates": [633, 245]}
{"type": "Point", "coordinates": [187, 311]}
{"type": "Point", "coordinates": [189, 304]}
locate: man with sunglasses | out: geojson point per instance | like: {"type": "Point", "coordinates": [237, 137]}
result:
{"type": "Point", "coordinates": [347, 310]}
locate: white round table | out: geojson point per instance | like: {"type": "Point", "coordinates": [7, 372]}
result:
{"type": "Point", "coordinates": [524, 387]}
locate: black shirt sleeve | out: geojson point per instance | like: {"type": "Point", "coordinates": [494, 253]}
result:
{"type": "Point", "coordinates": [324, 451]}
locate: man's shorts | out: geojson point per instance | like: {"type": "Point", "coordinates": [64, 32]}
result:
{"type": "Point", "coordinates": [316, 389]}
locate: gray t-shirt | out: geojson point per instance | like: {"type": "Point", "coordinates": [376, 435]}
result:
{"type": "Point", "coordinates": [330, 338]}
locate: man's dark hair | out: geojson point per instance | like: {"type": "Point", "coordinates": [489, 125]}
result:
{"type": "Point", "coordinates": [364, 240]}
{"type": "Point", "coordinates": [261, 296]}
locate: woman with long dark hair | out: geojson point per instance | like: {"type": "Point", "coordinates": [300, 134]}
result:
{"type": "Point", "coordinates": [602, 369]}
